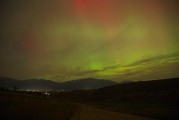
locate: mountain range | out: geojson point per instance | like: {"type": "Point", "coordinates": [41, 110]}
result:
{"type": "Point", "coordinates": [48, 85]}
{"type": "Point", "coordinates": [164, 90]}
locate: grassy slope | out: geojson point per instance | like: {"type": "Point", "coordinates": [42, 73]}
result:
{"type": "Point", "coordinates": [16, 106]}
{"type": "Point", "coordinates": [154, 110]}
{"type": "Point", "coordinates": [158, 98]}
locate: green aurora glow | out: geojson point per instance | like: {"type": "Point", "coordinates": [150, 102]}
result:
{"type": "Point", "coordinates": [63, 40]}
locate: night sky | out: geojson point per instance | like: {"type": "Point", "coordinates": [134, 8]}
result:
{"type": "Point", "coordinates": [63, 40]}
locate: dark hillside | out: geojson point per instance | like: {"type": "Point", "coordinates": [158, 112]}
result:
{"type": "Point", "coordinates": [166, 91]}
{"type": "Point", "coordinates": [157, 98]}
{"type": "Point", "coordinates": [151, 91]}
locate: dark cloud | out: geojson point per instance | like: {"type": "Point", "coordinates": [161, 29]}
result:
{"type": "Point", "coordinates": [156, 59]}
{"type": "Point", "coordinates": [111, 67]}
{"type": "Point", "coordinates": [150, 72]}
{"type": "Point", "coordinates": [83, 73]}
{"type": "Point", "coordinates": [160, 58]}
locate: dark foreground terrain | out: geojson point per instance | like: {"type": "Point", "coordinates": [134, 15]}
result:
{"type": "Point", "coordinates": [147, 100]}
{"type": "Point", "coordinates": [154, 99]}
{"type": "Point", "coordinates": [87, 112]}
{"type": "Point", "coordinates": [21, 106]}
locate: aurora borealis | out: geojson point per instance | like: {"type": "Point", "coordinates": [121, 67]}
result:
{"type": "Point", "coordinates": [63, 40]}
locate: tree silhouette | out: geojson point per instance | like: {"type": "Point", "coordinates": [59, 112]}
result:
{"type": "Point", "coordinates": [2, 88]}
{"type": "Point", "coordinates": [15, 88]}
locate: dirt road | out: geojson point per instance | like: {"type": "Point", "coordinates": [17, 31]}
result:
{"type": "Point", "coordinates": [90, 113]}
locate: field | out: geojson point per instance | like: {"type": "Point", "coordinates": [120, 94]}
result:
{"type": "Point", "coordinates": [152, 99]}
{"type": "Point", "coordinates": [20, 106]}
{"type": "Point", "coordinates": [155, 99]}
{"type": "Point", "coordinates": [153, 110]}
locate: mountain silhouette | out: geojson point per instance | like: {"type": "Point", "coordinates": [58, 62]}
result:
{"type": "Point", "coordinates": [86, 84]}
{"type": "Point", "coordinates": [48, 85]}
